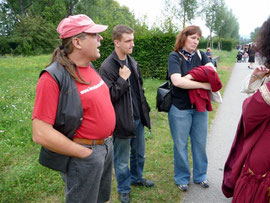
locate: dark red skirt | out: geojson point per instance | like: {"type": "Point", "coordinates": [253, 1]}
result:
{"type": "Point", "coordinates": [252, 188]}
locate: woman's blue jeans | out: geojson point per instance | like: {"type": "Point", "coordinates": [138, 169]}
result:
{"type": "Point", "coordinates": [185, 123]}
{"type": "Point", "coordinates": [133, 149]}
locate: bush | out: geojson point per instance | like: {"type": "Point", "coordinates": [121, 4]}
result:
{"type": "Point", "coordinates": [33, 36]}
{"type": "Point", "coordinates": [203, 44]}
{"type": "Point", "coordinates": [151, 53]}
{"type": "Point", "coordinates": [4, 45]}
{"type": "Point", "coordinates": [225, 44]}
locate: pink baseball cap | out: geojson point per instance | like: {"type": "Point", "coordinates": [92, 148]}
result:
{"type": "Point", "coordinates": [77, 24]}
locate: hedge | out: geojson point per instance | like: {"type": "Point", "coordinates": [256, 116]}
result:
{"type": "Point", "coordinates": [151, 52]}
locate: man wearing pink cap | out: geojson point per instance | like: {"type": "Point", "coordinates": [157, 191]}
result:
{"type": "Point", "coordinates": [122, 74]}
{"type": "Point", "coordinates": [73, 117]}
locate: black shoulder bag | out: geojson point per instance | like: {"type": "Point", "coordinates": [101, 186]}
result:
{"type": "Point", "coordinates": [164, 97]}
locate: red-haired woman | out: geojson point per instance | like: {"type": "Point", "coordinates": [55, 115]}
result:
{"type": "Point", "coordinates": [184, 119]}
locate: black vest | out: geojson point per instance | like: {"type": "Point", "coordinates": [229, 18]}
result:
{"type": "Point", "coordinates": [68, 118]}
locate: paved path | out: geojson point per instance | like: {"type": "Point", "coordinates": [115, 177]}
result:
{"type": "Point", "coordinates": [220, 139]}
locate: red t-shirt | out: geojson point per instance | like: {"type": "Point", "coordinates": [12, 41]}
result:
{"type": "Point", "coordinates": [98, 112]}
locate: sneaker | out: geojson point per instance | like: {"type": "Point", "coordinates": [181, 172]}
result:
{"type": "Point", "coordinates": [204, 184]}
{"type": "Point", "coordinates": [124, 197]}
{"type": "Point", "coordinates": [183, 187]}
{"type": "Point", "coordinates": [143, 182]}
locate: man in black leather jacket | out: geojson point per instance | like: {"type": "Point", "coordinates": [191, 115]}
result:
{"type": "Point", "coordinates": [122, 74]}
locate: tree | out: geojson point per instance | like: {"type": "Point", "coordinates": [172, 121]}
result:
{"type": "Point", "coordinates": [182, 10]}
{"type": "Point", "coordinates": [19, 7]}
{"type": "Point", "coordinates": [226, 24]}
{"type": "Point", "coordinates": [33, 35]}
{"type": "Point", "coordinates": [109, 12]}
{"type": "Point", "coordinates": [165, 26]}
{"type": "Point", "coordinates": [52, 11]}
{"type": "Point", "coordinates": [70, 6]}
{"type": "Point", "coordinates": [210, 15]}
{"type": "Point", "coordinates": [14, 13]}
{"type": "Point", "coordinates": [11, 11]}
{"type": "Point", "coordinates": [254, 34]}
{"type": "Point", "coordinates": [230, 26]}
{"type": "Point", "coordinates": [7, 20]}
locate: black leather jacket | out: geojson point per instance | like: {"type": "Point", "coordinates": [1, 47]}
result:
{"type": "Point", "coordinates": [68, 118]}
{"type": "Point", "coordinates": [121, 96]}
{"type": "Point", "coordinates": [69, 111]}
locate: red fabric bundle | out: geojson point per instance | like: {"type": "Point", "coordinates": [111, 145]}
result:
{"type": "Point", "coordinates": [200, 97]}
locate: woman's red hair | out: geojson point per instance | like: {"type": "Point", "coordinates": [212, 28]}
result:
{"type": "Point", "coordinates": [182, 36]}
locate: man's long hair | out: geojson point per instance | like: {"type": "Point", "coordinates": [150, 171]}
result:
{"type": "Point", "coordinates": [60, 55]}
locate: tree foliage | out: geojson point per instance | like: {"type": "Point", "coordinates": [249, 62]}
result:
{"type": "Point", "coordinates": [46, 14]}
{"type": "Point", "coordinates": [230, 26]}
{"type": "Point", "coordinates": [7, 19]}
{"type": "Point", "coordinates": [183, 10]}
{"type": "Point", "coordinates": [29, 26]}
{"type": "Point", "coordinates": [18, 7]}
{"type": "Point", "coordinates": [225, 24]}
{"type": "Point", "coordinates": [210, 15]}
{"type": "Point", "coordinates": [108, 12]}
{"type": "Point", "coordinates": [33, 36]}
{"type": "Point", "coordinates": [52, 11]}
{"type": "Point", "coordinates": [254, 34]}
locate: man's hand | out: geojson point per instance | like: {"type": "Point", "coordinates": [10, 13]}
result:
{"type": "Point", "coordinates": [124, 72]}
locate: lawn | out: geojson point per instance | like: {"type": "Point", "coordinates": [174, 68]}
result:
{"type": "Point", "coordinates": [22, 179]}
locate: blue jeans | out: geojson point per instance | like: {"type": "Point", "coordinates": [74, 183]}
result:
{"type": "Point", "coordinates": [185, 123]}
{"type": "Point", "coordinates": [134, 149]}
{"type": "Point", "coordinates": [89, 179]}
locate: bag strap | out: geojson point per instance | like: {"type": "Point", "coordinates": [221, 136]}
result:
{"type": "Point", "coordinates": [199, 54]}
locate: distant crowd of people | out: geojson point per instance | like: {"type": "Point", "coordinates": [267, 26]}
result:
{"type": "Point", "coordinates": [247, 54]}
{"type": "Point", "coordinates": [88, 122]}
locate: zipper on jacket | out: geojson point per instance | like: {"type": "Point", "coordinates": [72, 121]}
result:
{"type": "Point", "coordinates": [131, 103]}
{"type": "Point", "coordinates": [130, 96]}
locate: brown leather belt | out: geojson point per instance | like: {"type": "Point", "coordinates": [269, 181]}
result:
{"type": "Point", "coordinates": [90, 142]}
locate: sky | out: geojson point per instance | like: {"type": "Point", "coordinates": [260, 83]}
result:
{"type": "Point", "coordinates": [250, 13]}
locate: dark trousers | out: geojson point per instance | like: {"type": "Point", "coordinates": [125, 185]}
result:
{"type": "Point", "coordinates": [88, 180]}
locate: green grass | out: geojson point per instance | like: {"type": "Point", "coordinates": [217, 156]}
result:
{"type": "Point", "coordinates": [22, 179]}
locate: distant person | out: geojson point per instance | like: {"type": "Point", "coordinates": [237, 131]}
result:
{"type": "Point", "coordinates": [247, 169]}
{"type": "Point", "coordinates": [184, 119]}
{"type": "Point", "coordinates": [251, 56]}
{"type": "Point", "coordinates": [73, 116]}
{"type": "Point", "coordinates": [245, 56]}
{"type": "Point", "coordinates": [122, 74]}
{"type": "Point", "coordinates": [239, 57]}
{"type": "Point", "coordinates": [209, 54]}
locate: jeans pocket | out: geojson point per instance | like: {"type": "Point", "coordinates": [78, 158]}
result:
{"type": "Point", "coordinates": [89, 147]}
